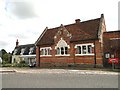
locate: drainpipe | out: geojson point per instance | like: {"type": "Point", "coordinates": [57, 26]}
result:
{"type": "Point", "coordinates": [94, 55]}
{"type": "Point", "coordinates": [38, 56]}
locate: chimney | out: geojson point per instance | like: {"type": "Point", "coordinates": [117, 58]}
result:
{"type": "Point", "coordinates": [102, 15]}
{"type": "Point", "coordinates": [77, 21]}
{"type": "Point", "coordinates": [17, 43]}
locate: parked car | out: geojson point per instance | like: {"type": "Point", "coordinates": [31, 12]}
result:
{"type": "Point", "coordinates": [114, 60]}
{"type": "Point", "coordinates": [32, 64]}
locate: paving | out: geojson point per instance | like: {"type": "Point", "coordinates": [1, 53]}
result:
{"type": "Point", "coordinates": [55, 71]}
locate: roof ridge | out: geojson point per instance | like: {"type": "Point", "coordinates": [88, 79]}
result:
{"type": "Point", "coordinates": [26, 45]}
{"type": "Point", "coordinates": [84, 30]}
{"type": "Point", "coordinates": [90, 20]}
{"type": "Point", "coordinates": [74, 23]}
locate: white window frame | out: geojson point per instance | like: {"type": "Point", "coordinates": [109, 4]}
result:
{"type": "Point", "coordinates": [44, 53]}
{"type": "Point", "coordinates": [60, 52]}
{"type": "Point", "coordinates": [82, 54]}
{"type": "Point", "coordinates": [31, 50]}
{"type": "Point", "coordinates": [22, 51]}
{"type": "Point", "coordinates": [62, 44]}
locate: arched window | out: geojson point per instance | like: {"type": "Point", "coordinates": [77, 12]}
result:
{"type": "Point", "coordinates": [62, 48]}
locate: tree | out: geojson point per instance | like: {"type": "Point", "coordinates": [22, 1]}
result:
{"type": "Point", "coordinates": [3, 51]}
{"type": "Point", "coordinates": [6, 57]}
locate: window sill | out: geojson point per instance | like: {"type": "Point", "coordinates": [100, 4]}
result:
{"type": "Point", "coordinates": [63, 55]}
{"type": "Point", "coordinates": [84, 54]}
{"type": "Point", "coordinates": [45, 55]}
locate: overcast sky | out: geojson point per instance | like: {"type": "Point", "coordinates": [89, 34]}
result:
{"type": "Point", "coordinates": [26, 19]}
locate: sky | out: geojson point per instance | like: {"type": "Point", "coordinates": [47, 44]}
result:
{"type": "Point", "coordinates": [25, 20]}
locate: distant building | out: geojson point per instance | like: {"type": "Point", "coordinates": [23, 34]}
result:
{"type": "Point", "coordinates": [111, 45]}
{"type": "Point", "coordinates": [25, 53]}
{"type": "Point", "coordinates": [80, 43]}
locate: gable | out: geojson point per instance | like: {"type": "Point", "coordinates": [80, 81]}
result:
{"type": "Point", "coordinates": [62, 32]}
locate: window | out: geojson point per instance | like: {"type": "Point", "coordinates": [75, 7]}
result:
{"type": "Point", "coordinates": [89, 48]}
{"type": "Point", "coordinates": [42, 51]}
{"type": "Point", "coordinates": [62, 51]}
{"type": "Point", "coordinates": [31, 50]}
{"type": "Point", "coordinates": [45, 51]}
{"type": "Point", "coordinates": [84, 49]}
{"type": "Point", "coordinates": [62, 48]}
{"type": "Point", "coordinates": [22, 51]}
{"type": "Point", "coordinates": [78, 49]}
{"type": "Point", "coordinates": [58, 51]}
{"type": "Point", "coordinates": [48, 51]}
{"type": "Point", "coordinates": [66, 50]}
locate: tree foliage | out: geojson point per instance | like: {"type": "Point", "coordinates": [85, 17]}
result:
{"type": "Point", "coordinates": [6, 57]}
{"type": "Point", "coordinates": [3, 51]}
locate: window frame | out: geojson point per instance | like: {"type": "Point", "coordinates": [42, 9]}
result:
{"type": "Point", "coordinates": [22, 51]}
{"type": "Point", "coordinates": [62, 45]}
{"type": "Point", "coordinates": [86, 49]}
{"type": "Point", "coordinates": [45, 51]}
{"type": "Point", "coordinates": [65, 53]}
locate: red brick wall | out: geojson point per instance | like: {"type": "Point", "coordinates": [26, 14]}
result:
{"type": "Point", "coordinates": [112, 34]}
{"type": "Point", "coordinates": [111, 44]}
{"type": "Point", "coordinates": [38, 56]}
{"type": "Point", "coordinates": [72, 59]}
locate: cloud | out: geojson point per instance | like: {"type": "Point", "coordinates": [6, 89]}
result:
{"type": "Point", "coordinates": [21, 9]}
{"type": "Point", "coordinates": [3, 43]}
{"type": "Point", "coordinates": [20, 36]}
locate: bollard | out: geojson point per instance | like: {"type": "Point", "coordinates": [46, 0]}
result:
{"type": "Point", "coordinates": [113, 64]}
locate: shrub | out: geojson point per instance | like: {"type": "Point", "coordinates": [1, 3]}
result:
{"type": "Point", "coordinates": [22, 62]}
{"type": "Point", "coordinates": [6, 65]}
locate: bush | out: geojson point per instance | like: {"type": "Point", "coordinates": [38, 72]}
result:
{"type": "Point", "coordinates": [6, 65]}
{"type": "Point", "coordinates": [21, 64]}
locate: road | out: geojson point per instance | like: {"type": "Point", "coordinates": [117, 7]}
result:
{"type": "Point", "coordinates": [58, 80]}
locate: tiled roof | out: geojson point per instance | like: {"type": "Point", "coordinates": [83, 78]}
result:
{"type": "Point", "coordinates": [27, 49]}
{"type": "Point", "coordinates": [85, 30]}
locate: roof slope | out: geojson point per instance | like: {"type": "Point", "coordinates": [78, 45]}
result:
{"type": "Point", "coordinates": [27, 49]}
{"type": "Point", "coordinates": [80, 31]}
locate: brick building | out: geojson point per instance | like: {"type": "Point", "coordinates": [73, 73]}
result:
{"type": "Point", "coordinates": [111, 45]}
{"type": "Point", "coordinates": [80, 43]}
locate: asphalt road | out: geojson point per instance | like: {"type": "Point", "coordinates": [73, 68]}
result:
{"type": "Point", "coordinates": [64, 80]}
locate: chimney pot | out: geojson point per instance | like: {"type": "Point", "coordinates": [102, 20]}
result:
{"type": "Point", "coordinates": [17, 43]}
{"type": "Point", "coordinates": [102, 15]}
{"type": "Point", "coordinates": [77, 20]}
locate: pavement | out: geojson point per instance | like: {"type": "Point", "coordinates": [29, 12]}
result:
{"type": "Point", "coordinates": [54, 71]}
